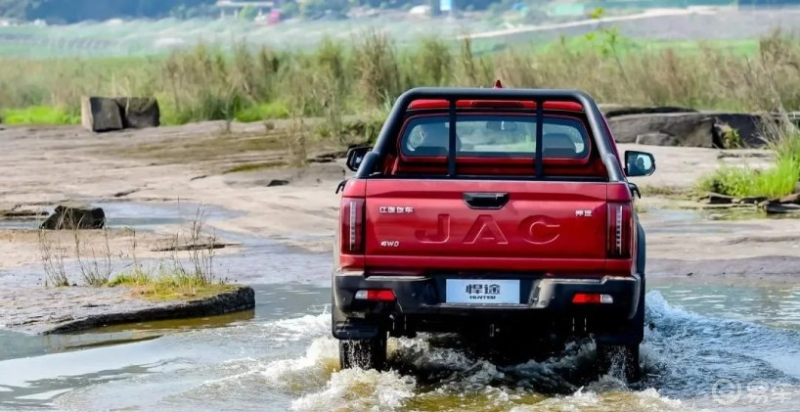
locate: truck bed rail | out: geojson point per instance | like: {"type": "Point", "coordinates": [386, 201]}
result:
{"type": "Point", "coordinates": [391, 127]}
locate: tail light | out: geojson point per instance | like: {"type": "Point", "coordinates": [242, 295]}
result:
{"type": "Point", "coordinates": [620, 230]}
{"type": "Point", "coordinates": [379, 295]}
{"type": "Point", "coordinates": [352, 230]}
{"type": "Point", "coordinates": [592, 298]}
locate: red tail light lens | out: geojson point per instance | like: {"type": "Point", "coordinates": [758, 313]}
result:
{"type": "Point", "coordinates": [379, 295]}
{"type": "Point", "coordinates": [620, 230]}
{"type": "Point", "coordinates": [592, 298]}
{"type": "Point", "coordinates": [352, 230]}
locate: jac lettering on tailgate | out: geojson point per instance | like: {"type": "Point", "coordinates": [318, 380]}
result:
{"type": "Point", "coordinates": [537, 230]}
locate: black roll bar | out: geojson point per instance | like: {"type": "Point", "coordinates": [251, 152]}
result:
{"type": "Point", "coordinates": [391, 127]}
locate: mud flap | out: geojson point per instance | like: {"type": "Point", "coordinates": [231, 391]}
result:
{"type": "Point", "coordinates": [355, 330]}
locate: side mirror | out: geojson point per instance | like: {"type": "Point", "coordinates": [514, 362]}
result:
{"type": "Point", "coordinates": [639, 163]}
{"type": "Point", "coordinates": [355, 156]}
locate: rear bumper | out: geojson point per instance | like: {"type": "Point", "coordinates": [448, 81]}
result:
{"type": "Point", "coordinates": [423, 300]}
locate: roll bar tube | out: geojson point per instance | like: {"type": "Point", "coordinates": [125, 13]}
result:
{"type": "Point", "coordinates": [394, 122]}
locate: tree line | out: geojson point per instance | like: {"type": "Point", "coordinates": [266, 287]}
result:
{"type": "Point", "coordinates": [71, 11]}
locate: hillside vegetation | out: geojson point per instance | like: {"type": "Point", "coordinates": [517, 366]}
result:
{"type": "Point", "coordinates": [350, 77]}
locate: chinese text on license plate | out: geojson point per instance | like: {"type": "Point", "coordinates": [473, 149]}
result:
{"type": "Point", "coordinates": [497, 291]}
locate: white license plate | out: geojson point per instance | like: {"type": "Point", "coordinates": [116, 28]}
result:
{"type": "Point", "coordinates": [482, 291]}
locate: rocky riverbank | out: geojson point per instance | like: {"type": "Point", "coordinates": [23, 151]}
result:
{"type": "Point", "coordinates": [236, 172]}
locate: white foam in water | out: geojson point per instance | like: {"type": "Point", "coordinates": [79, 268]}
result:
{"type": "Point", "coordinates": [356, 389]}
{"type": "Point", "coordinates": [304, 327]}
{"type": "Point", "coordinates": [309, 371]}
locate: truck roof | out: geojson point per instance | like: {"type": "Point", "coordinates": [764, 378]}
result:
{"type": "Point", "coordinates": [472, 104]}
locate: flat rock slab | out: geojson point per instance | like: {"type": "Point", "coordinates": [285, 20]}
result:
{"type": "Point", "coordinates": [70, 309]}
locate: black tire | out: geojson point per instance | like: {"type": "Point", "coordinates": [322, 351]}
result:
{"type": "Point", "coordinates": [612, 357]}
{"type": "Point", "coordinates": [363, 354]}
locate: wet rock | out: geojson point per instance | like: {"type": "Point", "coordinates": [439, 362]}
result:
{"type": "Point", "coordinates": [125, 193]}
{"type": "Point", "coordinates": [139, 112]}
{"type": "Point", "coordinates": [717, 199]}
{"type": "Point", "coordinates": [754, 200]}
{"type": "Point", "coordinates": [17, 213]}
{"type": "Point", "coordinates": [189, 247]}
{"type": "Point", "coordinates": [238, 300]}
{"type": "Point", "coordinates": [793, 198]}
{"type": "Point", "coordinates": [75, 216]}
{"type": "Point", "coordinates": [100, 114]}
{"type": "Point", "coordinates": [776, 207]}
{"type": "Point", "coordinates": [277, 182]}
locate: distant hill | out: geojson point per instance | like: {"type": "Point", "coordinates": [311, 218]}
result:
{"type": "Point", "coordinates": [71, 11]}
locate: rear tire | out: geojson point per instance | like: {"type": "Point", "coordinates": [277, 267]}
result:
{"type": "Point", "coordinates": [363, 354]}
{"type": "Point", "coordinates": [612, 357]}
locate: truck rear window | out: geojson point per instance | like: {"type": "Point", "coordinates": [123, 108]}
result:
{"type": "Point", "coordinates": [501, 135]}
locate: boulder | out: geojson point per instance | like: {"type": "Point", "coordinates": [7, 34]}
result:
{"type": "Point", "coordinates": [75, 216]}
{"type": "Point", "coordinates": [665, 129]}
{"type": "Point", "coordinates": [103, 114]}
{"type": "Point", "coordinates": [748, 127]}
{"type": "Point", "coordinates": [690, 129]}
{"type": "Point", "coordinates": [100, 114]}
{"type": "Point", "coordinates": [139, 112]}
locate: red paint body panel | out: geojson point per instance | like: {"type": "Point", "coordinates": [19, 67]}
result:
{"type": "Point", "coordinates": [556, 228]}
{"type": "Point", "coordinates": [539, 220]}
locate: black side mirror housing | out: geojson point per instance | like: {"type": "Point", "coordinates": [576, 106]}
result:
{"type": "Point", "coordinates": [355, 156]}
{"type": "Point", "coordinates": [639, 163]}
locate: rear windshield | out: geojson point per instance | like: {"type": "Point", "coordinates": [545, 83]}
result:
{"type": "Point", "coordinates": [495, 135]}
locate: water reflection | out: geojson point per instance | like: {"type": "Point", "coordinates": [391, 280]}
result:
{"type": "Point", "coordinates": [776, 305]}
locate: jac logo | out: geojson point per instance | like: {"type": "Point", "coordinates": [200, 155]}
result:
{"type": "Point", "coordinates": [536, 230]}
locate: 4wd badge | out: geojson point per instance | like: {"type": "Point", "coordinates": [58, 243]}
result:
{"type": "Point", "coordinates": [396, 209]}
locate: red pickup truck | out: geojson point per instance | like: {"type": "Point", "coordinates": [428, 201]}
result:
{"type": "Point", "coordinates": [494, 212]}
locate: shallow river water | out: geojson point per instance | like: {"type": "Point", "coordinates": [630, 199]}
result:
{"type": "Point", "coordinates": [704, 340]}
{"type": "Point", "coordinates": [281, 357]}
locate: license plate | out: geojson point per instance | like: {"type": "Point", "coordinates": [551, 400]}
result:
{"type": "Point", "coordinates": [480, 291]}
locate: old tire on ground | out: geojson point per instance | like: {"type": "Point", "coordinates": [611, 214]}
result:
{"type": "Point", "coordinates": [626, 356]}
{"type": "Point", "coordinates": [364, 354]}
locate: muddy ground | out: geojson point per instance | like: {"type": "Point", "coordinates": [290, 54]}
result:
{"type": "Point", "coordinates": [244, 171]}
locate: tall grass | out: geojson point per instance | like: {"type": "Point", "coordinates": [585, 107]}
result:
{"type": "Point", "coordinates": [364, 73]}
{"type": "Point", "coordinates": [775, 181]}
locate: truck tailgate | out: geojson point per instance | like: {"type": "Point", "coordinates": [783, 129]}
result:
{"type": "Point", "coordinates": [500, 225]}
